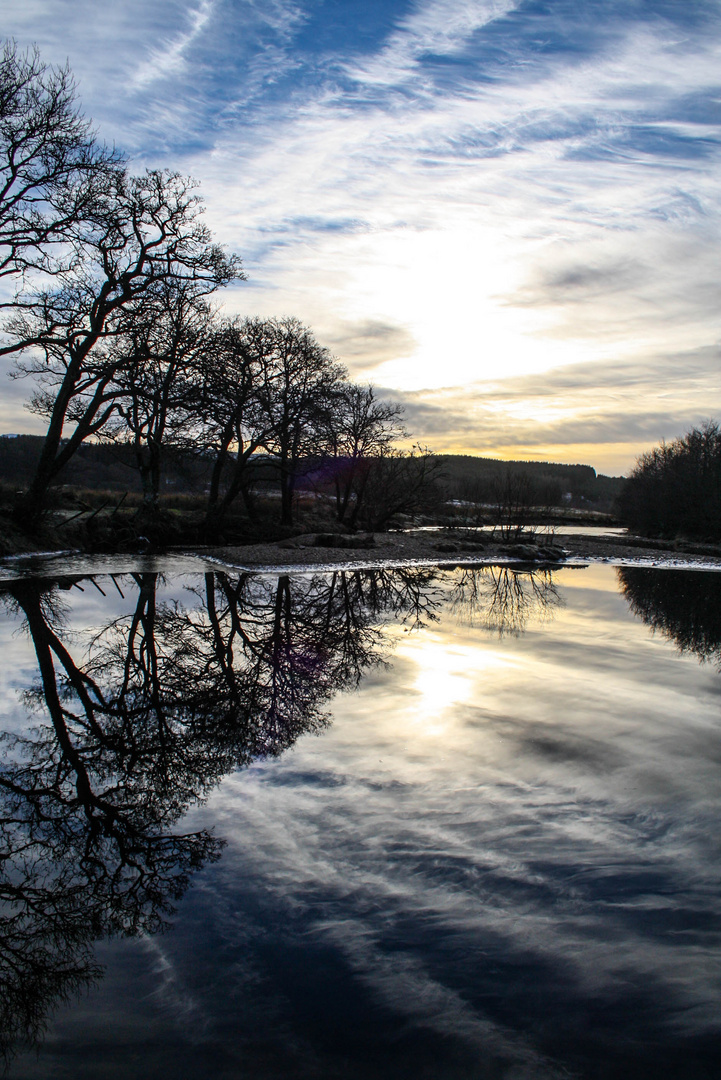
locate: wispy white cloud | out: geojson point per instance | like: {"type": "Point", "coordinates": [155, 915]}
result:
{"type": "Point", "coordinates": [438, 27]}
{"type": "Point", "coordinates": [505, 838]}
{"type": "Point", "coordinates": [170, 56]}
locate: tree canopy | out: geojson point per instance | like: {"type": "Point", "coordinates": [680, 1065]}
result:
{"type": "Point", "coordinates": [675, 488]}
{"type": "Point", "coordinates": [51, 165]}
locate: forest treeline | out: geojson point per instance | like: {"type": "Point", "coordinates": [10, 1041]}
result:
{"type": "Point", "coordinates": [460, 479]}
{"type": "Point", "coordinates": [547, 484]}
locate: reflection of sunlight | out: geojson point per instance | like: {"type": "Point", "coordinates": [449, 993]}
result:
{"type": "Point", "coordinates": [446, 675]}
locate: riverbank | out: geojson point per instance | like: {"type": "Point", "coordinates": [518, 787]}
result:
{"type": "Point", "coordinates": [466, 547]}
{"type": "Point", "coordinates": [419, 547]}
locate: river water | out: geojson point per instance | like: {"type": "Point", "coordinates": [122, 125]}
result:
{"type": "Point", "coordinates": [444, 824]}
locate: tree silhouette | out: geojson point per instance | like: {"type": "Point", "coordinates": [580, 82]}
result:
{"type": "Point", "coordinates": [158, 362]}
{"type": "Point", "coordinates": [357, 429]}
{"type": "Point", "coordinates": [50, 166]}
{"type": "Point", "coordinates": [675, 488]}
{"type": "Point", "coordinates": [296, 385]}
{"type": "Point", "coordinates": [144, 232]}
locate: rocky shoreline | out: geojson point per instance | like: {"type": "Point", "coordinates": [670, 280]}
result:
{"type": "Point", "coordinates": [458, 547]}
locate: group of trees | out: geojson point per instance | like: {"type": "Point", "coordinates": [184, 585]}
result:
{"type": "Point", "coordinates": [230, 390]}
{"type": "Point", "coordinates": [88, 248]}
{"type": "Point", "coordinates": [109, 279]}
{"type": "Point", "coordinates": [543, 484]}
{"type": "Point", "coordinates": [675, 489]}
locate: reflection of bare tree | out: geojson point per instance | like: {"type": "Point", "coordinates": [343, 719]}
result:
{"type": "Point", "coordinates": [297, 641]}
{"type": "Point", "coordinates": [87, 844]}
{"type": "Point", "coordinates": [162, 705]}
{"type": "Point", "coordinates": [505, 600]}
{"type": "Point", "coordinates": [684, 605]}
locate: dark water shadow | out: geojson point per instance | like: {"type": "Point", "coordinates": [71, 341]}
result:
{"type": "Point", "coordinates": [684, 606]}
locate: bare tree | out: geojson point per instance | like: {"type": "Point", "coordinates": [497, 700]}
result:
{"type": "Point", "coordinates": [50, 164]}
{"type": "Point", "coordinates": [358, 429]}
{"type": "Point", "coordinates": [159, 362]}
{"type": "Point", "coordinates": [297, 382]}
{"type": "Point", "coordinates": [234, 424]}
{"type": "Point", "coordinates": [513, 498]}
{"type": "Point", "coordinates": [399, 482]}
{"type": "Point", "coordinates": [145, 231]}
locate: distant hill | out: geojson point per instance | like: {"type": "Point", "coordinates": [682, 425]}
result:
{"type": "Point", "coordinates": [476, 479]}
{"type": "Point", "coordinates": [464, 477]}
{"type": "Point", "coordinates": [94, 466]}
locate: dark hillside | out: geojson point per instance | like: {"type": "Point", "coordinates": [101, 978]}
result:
{"type": "Point", "coordinates": [94, 466]}
{"type": "Point", "coordinates": [476, 479]}
{"type": "Point", "coordinates": [111, 468]}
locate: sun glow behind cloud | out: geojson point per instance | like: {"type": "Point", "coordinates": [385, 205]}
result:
{"type": "Point", "coordinates": [457, 197]}
{"type": "Point", "coordinates": [444, 286]}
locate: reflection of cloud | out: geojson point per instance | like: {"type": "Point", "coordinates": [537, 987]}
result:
{"type": "Point", "coordinates": [484, 878]}
{"type": "Point", "coordinates": [404, 983]}
{"type": "Point", "coordinates": [175, 999]}
{"type": "Point", "coordinates": [533, 892]}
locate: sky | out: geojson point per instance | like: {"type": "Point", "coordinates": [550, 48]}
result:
{"type": "Point", "coordinates": [504, 213]}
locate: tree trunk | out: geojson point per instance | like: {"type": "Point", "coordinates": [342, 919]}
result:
{"type": "Point", "coordinates": [287, 486]}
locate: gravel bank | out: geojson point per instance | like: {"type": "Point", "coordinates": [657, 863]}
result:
{"type": "Point", "coordinates": [454, 547]}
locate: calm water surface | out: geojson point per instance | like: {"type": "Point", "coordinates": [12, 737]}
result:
{"type": "Point", "coordinates": [443, 824]}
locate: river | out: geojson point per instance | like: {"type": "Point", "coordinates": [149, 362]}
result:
{"type": "Point", "coordinates": [424, 823]}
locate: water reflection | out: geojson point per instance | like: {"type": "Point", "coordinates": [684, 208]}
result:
{"type": "Point", "coordinates": [504, 600]}
{"type": "Point", "coordinates": [162, 704]}
{"type": "Point", "coordinates": [500, 860]}
{"type": "Point", "coordinates": [684, 606]}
